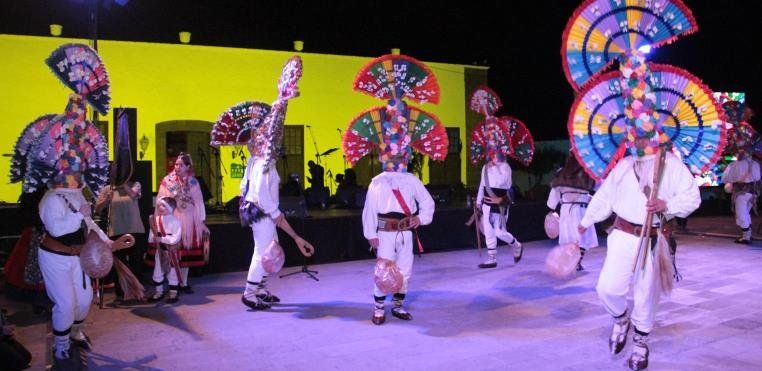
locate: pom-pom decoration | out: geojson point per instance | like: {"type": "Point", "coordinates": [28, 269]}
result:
{"type": "Point", "coordinates": [686, 115]}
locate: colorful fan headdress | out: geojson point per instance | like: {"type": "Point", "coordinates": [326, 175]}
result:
{"type": "Point", "coordinates": [257, 124]}
{"type": "Point", "coordinates": [235, 125]}
{"type": "Point", "coordinates": [684, 114]}
{"type": "Point", "coordinates": [661, 104]}
{"type": "Point", "coordinates": [601, 31]}
{"type": "Point", "coordinates": [80, 68]}
{"type": "Point", "coordinates": [70, 147]}
{"type": "Point", "coordinates": [24, 144]}
{"type": "Point", "coordinates": [69, 150]}
{"type": "Point", "coordinates": [398, 128]}
{"type": "Point", "coordinates": [498, 137]}
{"type": "Point", "coordinates": [741, 135]}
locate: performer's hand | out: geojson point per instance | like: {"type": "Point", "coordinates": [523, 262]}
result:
{"type": "Point", "coordinates": [493, 200]}
{"type": "Point", "coordinates": [656, 206]}
{"type": "Point", "coordinates": [581, 229]}
{"type": "Point", "coordinates": [414, 222]}
{"type": "Point", "coordinates": [373, 243]}
{"type": "Point", "coordinates": [205, 229]}
{"type": "Point", "coordinates": [107, 194]}
{"type": "Point", "coordinates": [305, 247]}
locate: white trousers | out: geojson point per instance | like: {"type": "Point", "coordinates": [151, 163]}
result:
{"type": "Point", "coordinates": [67, 286]}
{"type": "Point", "coordinates": [264, 232]}
{"type": "Point", "coordinates": [617, 275]}
{"type": "Point", "coordinates": [569, 218]}
{"type": "Point", "coordinates": [397, 247]}
{"type": "Point", "coordinates": [172, 279]}
{"type": "Point", "coordinates": [493, 228]}
{"type": "Point", "coordinates": [743, 208]}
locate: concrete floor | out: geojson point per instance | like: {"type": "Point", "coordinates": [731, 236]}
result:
{"type": "Point", "coordinates": [514, 317]}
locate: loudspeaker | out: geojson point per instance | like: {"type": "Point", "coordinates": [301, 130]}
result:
{"type": "Point", "coordinates": [231, 207]}
{"type": "Point", "coordinates": [142, 172]}
{"type": "Point", "coordinates": [294, 206]}
{"type": "Point", "coordinates": [132, 125]}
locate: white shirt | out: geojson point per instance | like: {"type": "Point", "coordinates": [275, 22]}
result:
{"type": "Point", "coordinates": [57, 216]}
{"type": "Point", "coordinates": [263, 187]}
{"type": "Point", "coordinates": [381, 200]}
{"type": "Point", "coordinates": [622, 193]}
{"type": "Point", "coordinates": [741, 171]}
{"type": "Point", "coordinates": [500, 176]}
{"type": "Point", "coordinates": [171, 227]}
{"type": "Point", "coordinates": [563, 195]}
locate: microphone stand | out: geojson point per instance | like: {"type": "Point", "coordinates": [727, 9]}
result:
{"type": "Point", "coordinates": [343, 155]}
{"type": "Point", "coordinates": [305, 269]}
{"type": "Point", "coordinates": [220, 179]}
{"type": "Point", "coordinates": [314, 143]}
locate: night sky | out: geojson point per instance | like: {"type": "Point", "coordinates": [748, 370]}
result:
{"type": "Point", "coordinates": [520, 40]}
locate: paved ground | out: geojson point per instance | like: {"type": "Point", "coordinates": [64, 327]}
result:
{"type": "Point", "coordinates": [513, 317]}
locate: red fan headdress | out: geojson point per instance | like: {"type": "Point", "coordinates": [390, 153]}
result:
{"type": "Point", "coordinates": [499, 137]}
{"type": "Point", "coordinates": [258, 124]}
{"type": "Point", "coordinates": [397, 128]}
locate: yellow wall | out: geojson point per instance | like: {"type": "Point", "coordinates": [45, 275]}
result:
{"type": "Point", "coordinates": [188, 82]}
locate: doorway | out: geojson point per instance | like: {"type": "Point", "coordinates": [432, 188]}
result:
{"type": "Point", "coordinates": [191, 137]}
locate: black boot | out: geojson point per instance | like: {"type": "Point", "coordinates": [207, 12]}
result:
{"type": "Point", "coordinates": [397, 310]}
{"type": "Point", "coordinates": [263, 293]}
{"type": "Point", "coordinates": [581, 256]}
{"type": "Point", "coordinates": [255, 304]}
{"type": "Point", "coordinates": [518, 250]}
{"type": "Point", "coordinates": [491, 261]}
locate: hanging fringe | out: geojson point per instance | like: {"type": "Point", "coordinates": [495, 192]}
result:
{"type": "Point", "coordinates": [130, 284]}
{"type": "Point", "coordinates": [664, 271]}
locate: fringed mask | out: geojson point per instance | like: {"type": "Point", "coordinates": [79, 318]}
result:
{"type": "Point", "coordinates": [641, 115]}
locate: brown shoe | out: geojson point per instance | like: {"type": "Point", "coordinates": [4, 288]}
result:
{"type": "Point", "coordinates": [379, 317]}
{"type": "Point", "coordinates": [378, 320]}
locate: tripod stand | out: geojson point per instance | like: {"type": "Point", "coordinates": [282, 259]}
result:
{"type": "Point", "coordinates": [219, 177]}
{"type": "Point", "coordinates": [305, 269]}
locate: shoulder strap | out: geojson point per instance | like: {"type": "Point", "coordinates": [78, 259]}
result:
{"type": "Point", "coordinates": [401, 201]}
{"type": "Point", "coordinates": [71, 207]}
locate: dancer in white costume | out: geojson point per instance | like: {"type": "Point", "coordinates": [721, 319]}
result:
{"type": "Point", "coordinates": [69, 155]}
{"type": "Point", "coordinates": [390, 216]}
{"type": "Point", "coordinates": [571, 189]}
{"type": "Point", "coordinates": [260, 127]}
{"type": "Point", "coordinates": [493, 141]}
{"type": "Point", "coordinates": [743, 174]}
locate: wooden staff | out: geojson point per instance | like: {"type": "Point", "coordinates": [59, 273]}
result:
{"type": "Point", "coordinates": [645, 233]}
{"type": "Point", "coordinates": [476, 220]}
